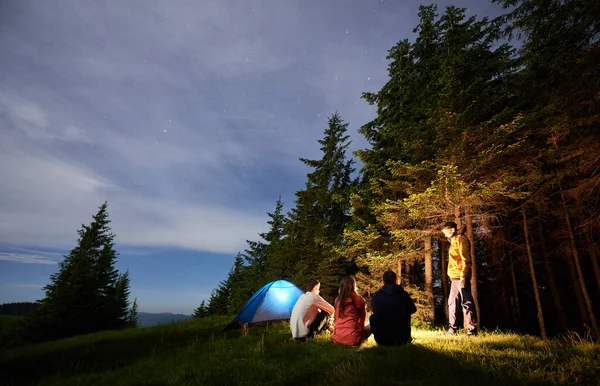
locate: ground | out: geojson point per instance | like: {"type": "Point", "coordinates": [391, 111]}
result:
{"type": "Point", "coordinates": [197, 352]}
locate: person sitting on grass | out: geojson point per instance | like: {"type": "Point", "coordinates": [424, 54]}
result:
{"type": "Point", "coordinates": [311, 314]}
{"type": "Point", "coordinates": [391, 309]}
{"type": "Point", "coordinates": [350, 315]}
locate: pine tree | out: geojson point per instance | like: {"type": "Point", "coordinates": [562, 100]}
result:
{"type": "Point", "coordinates": [447, 93]}
{"type": "Point", "coordinates": [218, 303]}
{"type": "Point", "coordinates": [243, 280]}
{"type": "Point", "coordinates": [132, 317]}
{"type": "Point", "coordinates": [201, 311]}
{"type": "Point", "coordinates": [87, 294]}
{"type": "Point", "coordinates": [316, 225]}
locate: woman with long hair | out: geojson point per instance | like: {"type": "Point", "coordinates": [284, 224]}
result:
{"type": "Point", "coordinates": [350, 315]}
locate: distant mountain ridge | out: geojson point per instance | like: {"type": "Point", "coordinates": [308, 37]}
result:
{"type": "Point", "coordinates": [147, 319]}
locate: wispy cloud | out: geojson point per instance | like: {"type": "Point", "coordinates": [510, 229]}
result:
{"type": "Point", "coordinates": [189, 117]}
{"type": "Point", "coordinates": [27, 258]}
{"type": "Point", "coordinates": [24, 285]}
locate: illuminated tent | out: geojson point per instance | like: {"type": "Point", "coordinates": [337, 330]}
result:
{"type": "Point", "coordinates": [274, 301]}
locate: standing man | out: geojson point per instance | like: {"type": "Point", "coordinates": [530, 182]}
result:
{"type": "Point", "coordinates": [459, 271]}
{"type": "Point", "coordinates": [391, 309]}
{"type": "Point", "coordinates": [311, 314]}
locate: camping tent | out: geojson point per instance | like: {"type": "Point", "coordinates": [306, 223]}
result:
{"type": "Point", "coordinates": [274, 301]}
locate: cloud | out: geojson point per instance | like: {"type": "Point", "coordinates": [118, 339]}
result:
{"type": "Point", "coordinates": [28, 259]}
{"type": "Point", "coordinates": [23, 285]}
{"type": "Point", "coordinates": [188, 117]}
{"type": "Point", "coordinates": [71, 194]}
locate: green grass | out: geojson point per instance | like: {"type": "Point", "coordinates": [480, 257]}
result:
{"type": "Point", "coordinates": [197, 353]}
{"type": "Point", "coordinates": [7, 323]}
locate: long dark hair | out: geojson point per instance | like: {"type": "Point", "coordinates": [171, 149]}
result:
{"type": "Point", "coordinates": [347, 286]}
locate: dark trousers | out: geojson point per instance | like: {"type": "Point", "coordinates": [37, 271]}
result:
{"type": "Point", "coordinates": [320, 324]}
{"type": "Point", "coordinates": [461, 297]}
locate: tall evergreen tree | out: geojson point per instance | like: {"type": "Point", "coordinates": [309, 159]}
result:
{"type": "Point", "coordinates": [444, 89]}
{"type": "Point", "coordinates": [316, 225]}
{"type": "Point", "coordinates": [87, 294]}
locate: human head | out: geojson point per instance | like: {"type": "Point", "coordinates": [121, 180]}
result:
{"type": "Point", "coordinates": [313, 286]}
{"type": "Point", "coordinates": [389, 277]}
{"type": "Point", "coordinates": [449, 229]}
{"type": "Point", "coordinates": [347, 286]}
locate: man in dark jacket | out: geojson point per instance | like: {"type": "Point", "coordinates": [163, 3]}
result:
{"type": "Point", "coordinates": [391, 309]}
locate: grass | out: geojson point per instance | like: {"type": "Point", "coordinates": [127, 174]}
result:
{"type": "Point", "coordinates": [7, 323]}
{"type": "Point", "coordinates": [197, 353]}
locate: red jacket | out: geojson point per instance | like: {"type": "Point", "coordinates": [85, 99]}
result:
{"type": "Point", "coordinates": [348, 329]}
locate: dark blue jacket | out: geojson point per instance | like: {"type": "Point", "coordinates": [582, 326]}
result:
{"type": "Point", "coordinates": [392, 307]}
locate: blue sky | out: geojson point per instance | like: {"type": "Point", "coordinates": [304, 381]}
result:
{"type": "Point", "coordinates": [188, 116]}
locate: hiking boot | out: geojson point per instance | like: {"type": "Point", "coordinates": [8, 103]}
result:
{"type": "Point", "coordinates": [450, 331]}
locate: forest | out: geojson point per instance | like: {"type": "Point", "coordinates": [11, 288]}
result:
{"type": "Point", "coordinates": [491, 123]}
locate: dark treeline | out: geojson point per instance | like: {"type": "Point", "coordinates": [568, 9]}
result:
{"type": "Point", "coordinates": [503, 141]}
{"type": "Point", "coordinates": [17, 309]}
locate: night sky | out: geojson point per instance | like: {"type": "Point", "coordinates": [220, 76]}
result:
{"type": "Point", "coordinates": [188, 116]}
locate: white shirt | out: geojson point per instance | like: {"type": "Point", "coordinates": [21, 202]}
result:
{"type": "Point", "coordinates": [305, 311]}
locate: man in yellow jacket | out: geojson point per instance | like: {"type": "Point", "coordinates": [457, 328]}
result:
{"type": "Point", "coordinates": [459, 271]}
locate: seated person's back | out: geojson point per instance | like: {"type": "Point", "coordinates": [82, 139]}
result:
{"type": "Point", "coordinates": [392, 308]}
{"type": "Point", "coordinates": [350, 315]}
{"type": "Point", "coordinates": [311, 313]}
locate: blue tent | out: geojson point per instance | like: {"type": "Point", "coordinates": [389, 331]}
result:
{"type": "Point", "coordinates": [274, 301]}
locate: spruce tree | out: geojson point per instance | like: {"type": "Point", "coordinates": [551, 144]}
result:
{"type": "Point", "coordinates": [316, 225]}
{"type": "Point", "coordinates": [132, 318]}
{"type": "Point", "coordinates": [201, 311]}
{"type": "Point", "coordinates": [87, 294]}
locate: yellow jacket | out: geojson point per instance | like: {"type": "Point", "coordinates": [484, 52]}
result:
{"type": "Point", "coordinates": [459, 258]}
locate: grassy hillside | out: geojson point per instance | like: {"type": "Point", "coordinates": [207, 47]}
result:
{"type": "Point", "coordinates": [7, 322]}
{"type": "Point", "coordinates": [198, 353]}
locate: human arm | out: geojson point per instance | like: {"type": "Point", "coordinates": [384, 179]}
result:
{"type": "Point", "coordinates": [411, 304]}
{"type": "Point", "coordinates": [362, 311]}
{"type": "Point", "coordinates": [323, 305]}
{"type": "Point", "coordinates": [372, 304]}
{"type": "Point", "coordinates": [464, 249]}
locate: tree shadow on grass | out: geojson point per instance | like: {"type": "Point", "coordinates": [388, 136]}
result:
{"type": "Point", "coordinates": [98, 352]}
{"type": "Point", "coordinates": [411, 365]}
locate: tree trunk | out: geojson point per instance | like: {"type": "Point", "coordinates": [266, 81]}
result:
{"type": "Point", "coordinates": [408, 281]}
{"type": "Point", "coordinates": [577, 288]}
{"type": "Point", "coordinates": [504, 289]}
{"type": "Point", "coordinates": [593, 253]}
{"type": "Point", "coordinates": [399, 271]}
{"type": "Point", "coordinates": [429, 278]}
{"type": "Point", "coordinates": [517, 315]}
{"type": "Point", "coordinates": [444, 276]}
{"type": "Point", "coordinates": [536, 290]}
{"type": "Point", "coordinates": [499, 289]}
{"type": "Point", "coordinates": [552, 281]}
{"type": "Point", "coordinates": [469, 221]}
{"type": "Point", "coordinates": [588, 301]}
{"type": "Point", "coordinates": [457, 219]}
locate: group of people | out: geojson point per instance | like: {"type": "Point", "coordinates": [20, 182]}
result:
{"type": "Point", "coordinates": [391, 306]}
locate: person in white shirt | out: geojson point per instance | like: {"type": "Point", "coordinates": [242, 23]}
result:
{"type": "Point", "coordinates": [311, 314]}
